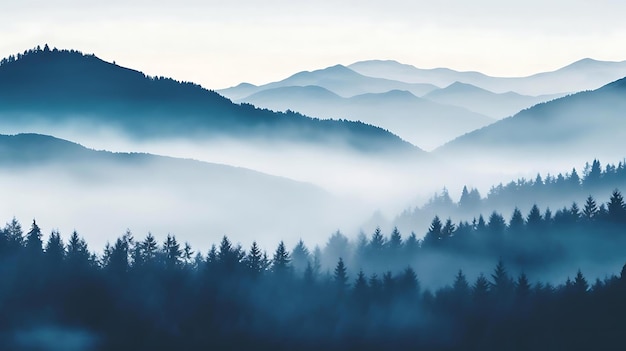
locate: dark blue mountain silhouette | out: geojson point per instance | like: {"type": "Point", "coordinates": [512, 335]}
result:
{"type": "Point", "coordinates": [65, 85]}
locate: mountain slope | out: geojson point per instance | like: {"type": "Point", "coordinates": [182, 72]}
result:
{"type": "Point", "coordinates": [485, 102]}
{"type": "Point", "coordinates": [585, 74]}
{"type": "Point", "coordinates": [339, 79]}
{"type": "Point", "coordinates": [102, 193]}
{"type": "Point", "coordinates": [419, 121]}
{"type": "Point", "coordinates": [58, 86]}
{"type": "Point", "coordinates": [390, 69]}
{"type": "Point", "coordinates": [578, 127]}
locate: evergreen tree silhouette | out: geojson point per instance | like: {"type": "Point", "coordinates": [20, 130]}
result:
{"type": "Point", "coordinates": [172, 252]}
{"type": "Point", "coordinates": [395, 241]}
{"type": "Point", "coordinates": [432, 237]}
{"type": "Point", "coordinates": [300, 257]}
{"type": "Point", "coordinates": [360, 289]}
{"type": "Point", "coordinates": [254, 261]}
{"type": "Point", "coordinates": [580, 284]}
{"type": "Point", "coordinates": [77, 252]}
{"type": "Point", "coordinates": [522, 287]}
{"type": "Point", "coordinates": [616, 207]}
{"type": "Point", "coordinates": [447, 231]}
{"type": "Point", "coordinates": [534, 219]}
{"type": "Point", "coordinates": [34, 245]}
{"type": "Point", "coordinates": [340, 277]}
{"type": "Point", "coordinates": [502, 284]}
{"type": "Point", "coordinates": [55, 249]}
{"type": "Point", "coordinates": [590, 211]}
{"type": "Point", "coordinates": [281, 262]}
{"type": "Point", "coordinates": [14, 236]}
{"type": "Point", "coordinates": [516, 224]}
{"type": "Point", "coordinates": [480, 290]}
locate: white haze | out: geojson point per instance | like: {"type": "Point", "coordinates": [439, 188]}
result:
{"type": "Point", "coordinates": [358, 187]}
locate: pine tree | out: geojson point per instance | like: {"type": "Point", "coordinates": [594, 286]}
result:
{"type": "Point", "coordinates": [411, 246]}
{"type": "Point", "coordinates": [460, 285]}
{"type": "Point", "coordinates": [360, 289]}
{"type": "Point", "coordinates": [580, 284]}
{"type": "Point", "coordinates": [77, 252]}
{"type": "Point", "coordinates": [33, 240]}
{"type": "Point", "coordinates": [432, 237]}
{"type": "Point", "coordinates": [461, 290]}
{"type": "Point", "coordinates": [309, 276]}
{"type": "Point", "coordinates": [502, 284]}
{"type": "Point", "coordinates": [447, 231]}
{"type": "Point", "coordinates": [376, 288]}
{"type": "Point", "coordinates": [116, 257]}
{"type": "Point", "coordinates": [340, 277]}
{"type": "Point", "coordinates": [574, 212]}
{"type": "Point", "coordinates": [522, 287]}
{"type": "Point", "coordinates": [377, 243]}
{"type": "Point", "coordinates": [172, 252]}
{"type": "Point", "coordinates": [592, 174]}
{"type": "Point", "coordinates": [590, 210]}
{"type": "Point", "coordinates": [187, 255]}
{"type": "Point", "coordinates": [534, 219]}
{"type": "Point", "coordinates": [389, 285]}
{"type": "Point", "coordinates": [408, 284]}
{"type": "Point", "coordinates": [55, 250]}
{"type": "Point", "coordinates": [149, 248]}
{"type": "Point", "coordinates": [496, 225]}
{"type": "Point", "coordinates": [14, 236]}
{"type": "Point", "coordinates": [300, 257]}
{"type": "Point", "coordinates": [254, 261]}
{"type": "Point", "coordinates": [480, 290]}
{"type": "Point", "coordinates": [395, 241]}
{"type": "Point", "coordinates": [228, 256]}
{"type": "Point", "coordinates": [337, 246]}
{"type": "Point", "coordinates": [281, 260]}
{"type": "Point", "coordinates": [516, 224]}
{"type": "Point", "coordinates": [574, 180]}
{"type": "Point", "coordinates": [616, 207]}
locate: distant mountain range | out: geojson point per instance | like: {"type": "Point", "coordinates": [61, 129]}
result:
{"type": "Point", "coordinates": [60, 86]}
{"type": "Point", "coordinates": [367, 91]}
{"type": "Point", "coordinates": [485, 102]}
{"type": "Point", "coordinates": [338, 79]}
{"type": "Point", "coordinates": [585, 74]}
{"type": "Point", "coordinates": [166, 194]}
{"type": "Point", "coordinates": [419, 121]}
{"type": "Point", "coordinates": [584, 126]}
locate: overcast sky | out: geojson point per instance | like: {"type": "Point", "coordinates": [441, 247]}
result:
{"type": "Point", "coordinates": [222, 43]}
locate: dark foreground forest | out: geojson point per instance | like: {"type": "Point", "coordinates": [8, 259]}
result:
{"type": "Point", "coordinates": [145, 295]}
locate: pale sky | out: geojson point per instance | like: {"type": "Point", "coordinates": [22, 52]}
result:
{"type": "Point", "coordinates": [221, 43]}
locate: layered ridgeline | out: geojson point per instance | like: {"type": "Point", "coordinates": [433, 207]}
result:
{"type": "Point", "coordinates": [102, 193]}
{"type": "Point", "coordinates": [438, 104]}
{"type": "Point", "coordinates": [495, 105]}
{"type": "Point", "coordinates": [339, 79]}
{"type": "Point", "coordinates": [570, 130]}
{"type": "Point", "coordinates": [585, 74]}
{"type": "Point", "coordinates": [420, 121]}
{"type": "Point", "coordinates": [59, 86]}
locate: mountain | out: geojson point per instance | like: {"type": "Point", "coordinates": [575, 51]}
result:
{"type": "Point", "coordinates": [585, 74]}
{"type": "Point", "coordinates": [572, 129]}
{"type": "Point", "coordinates": [102, 193]}
{"type": "Point", "coordinates": [485, 102]}
{"type": "Point", "coordinates": [339, 79]}
{"type": "Point", "coordinates": [422, 122]}
{"type": "Point", "coordinates": [67, 87]}
{"type": "Point", "coordinates": [390, 69]}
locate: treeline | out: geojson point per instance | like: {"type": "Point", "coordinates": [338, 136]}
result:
{"type": "Point", "coordinates": [142, 294]}
{"type": "Point", "coordinates": [549, 190]}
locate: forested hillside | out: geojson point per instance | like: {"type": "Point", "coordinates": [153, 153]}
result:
{"type": "Point", "coordinates": [142, 294]}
